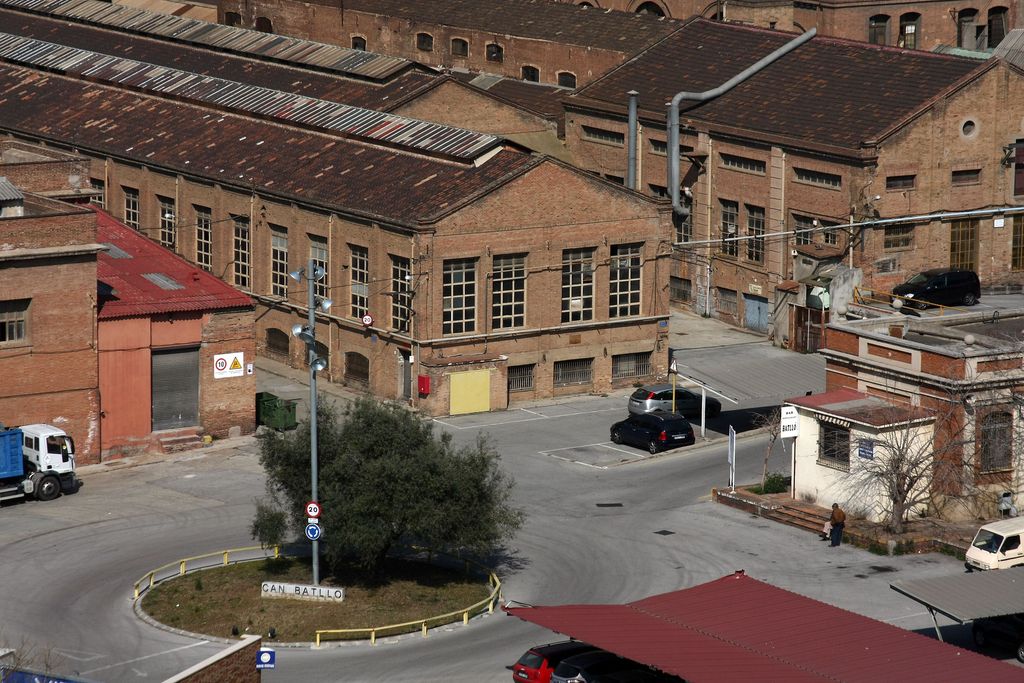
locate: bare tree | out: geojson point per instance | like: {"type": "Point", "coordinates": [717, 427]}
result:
{"type": "Point", "coordinates": [771, 424]}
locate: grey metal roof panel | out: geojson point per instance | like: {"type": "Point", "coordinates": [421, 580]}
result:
{"type": "Point", "coordinates": [966, 597]}
{"type": "Point", "coordinates": [1011, 48]}
{"type": "Point", "coordinates": [8, 192]}
{"type": "Point", "coordinates": [347, 120]}
{"type": "Point", "coordinates": [230, 38]}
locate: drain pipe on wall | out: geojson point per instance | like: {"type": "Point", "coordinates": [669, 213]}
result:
{"type": "Point", "coordinates": [631, 142]}
{"type": "Point", "coordinates": [672, 151]}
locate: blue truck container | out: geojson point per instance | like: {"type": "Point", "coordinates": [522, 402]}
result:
{"type": "Point", "coordinates": [11, 463]}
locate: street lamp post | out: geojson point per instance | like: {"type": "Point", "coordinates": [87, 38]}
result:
{"type": "Point", "coordinates": [312, 273]}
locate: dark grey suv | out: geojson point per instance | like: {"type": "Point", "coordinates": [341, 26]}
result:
{"type": "Point", "coordinates": [940, 286]}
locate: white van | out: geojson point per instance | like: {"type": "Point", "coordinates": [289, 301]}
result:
{"type": "Point", "coordinates": [997, 546]}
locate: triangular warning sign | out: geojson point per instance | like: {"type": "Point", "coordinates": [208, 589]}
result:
{"type": "Point", "coordinates": [235, 365]}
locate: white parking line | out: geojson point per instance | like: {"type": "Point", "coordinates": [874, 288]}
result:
{"type": "Point", "coordinates": [576, 462]}
{"type": "Point", "coordinates": [139, 659]}
{"type": "Point", "coordinates": [539, 416]}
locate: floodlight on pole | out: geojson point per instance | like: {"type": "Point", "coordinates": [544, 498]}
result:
{"type": "Point", "coordinates": [312, 273]}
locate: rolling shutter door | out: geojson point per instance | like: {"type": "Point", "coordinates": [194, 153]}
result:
{"type": "Point", "coordinates": [175, 389]}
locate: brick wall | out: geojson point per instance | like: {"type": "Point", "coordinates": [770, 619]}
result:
{"type": "Point", "coordinates": [39, 169]}
{"type": "Point", "coordinates": [227, 402]}
{"type": "Point", "coordinates": [236, 664]}
{"type": "Point", "coordinates": [397, 37]}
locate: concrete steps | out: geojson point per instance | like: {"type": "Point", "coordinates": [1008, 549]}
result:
{"type": "Point", "coordinates": [183, 440]}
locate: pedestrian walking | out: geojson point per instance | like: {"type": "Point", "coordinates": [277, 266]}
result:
{"type": "Point", "coordinates": [838, 521]}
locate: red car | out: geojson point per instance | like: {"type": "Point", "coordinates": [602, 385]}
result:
{"type": "Point", "coordinates": [537, 663]}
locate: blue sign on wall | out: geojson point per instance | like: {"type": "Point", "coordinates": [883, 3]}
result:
{"type": "Point", "coordinates": [866, 449]}
{"type": "Point", "coordinates": [265, 658]}
{"type": "Point", "coordinates": [24, 676]}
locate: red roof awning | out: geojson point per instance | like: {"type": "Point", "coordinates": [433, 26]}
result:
{"type": "Point", "coordinates": [740, 629]}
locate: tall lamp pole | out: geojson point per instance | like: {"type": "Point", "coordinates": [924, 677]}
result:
{"type": "Point", "coordinates": [312, 273]}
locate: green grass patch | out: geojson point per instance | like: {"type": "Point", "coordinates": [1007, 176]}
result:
{"type": "Point", "coordinates": [214, 601]}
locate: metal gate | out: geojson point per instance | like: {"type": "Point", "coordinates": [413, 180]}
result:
{"type": "Point", "coordinates": [175, 376]}
{"type": "Point", "coordinates": [755, 313]}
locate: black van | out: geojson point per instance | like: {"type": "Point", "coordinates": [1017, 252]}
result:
{"type": "Point", "coordinates": [941, 286]}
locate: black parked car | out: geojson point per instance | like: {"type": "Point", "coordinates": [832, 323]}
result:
{"type": "Point", "coordinates": [655, 431]}
{"type": "Point", "coordinates": [941, 286]}
{"type": "Point", "coordinates": [1007, 631]}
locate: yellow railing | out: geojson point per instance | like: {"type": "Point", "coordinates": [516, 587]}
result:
{"type": "Point", "coordinates": [149, 579]}
{"type": "Point", "coordinates": [440, 619]}
{"type": "Point", "coordinates": [868, 297]}
{"type": "Point", "coordinates": [182, 567]}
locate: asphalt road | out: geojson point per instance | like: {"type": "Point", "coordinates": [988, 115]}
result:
{"type": "Point", "coordinates": [68, 565]}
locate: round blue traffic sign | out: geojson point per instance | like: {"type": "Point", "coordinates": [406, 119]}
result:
{"type": "Point", "coordinates": [312, 531]}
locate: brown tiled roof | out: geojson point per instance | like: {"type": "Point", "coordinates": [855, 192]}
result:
{"type": "Point", "coordinates": [348, 176]}
{"type": "Point", "coordinates": [540, 19]}
{"type": "Point", "coordinates": [830, 92]}
{"type": "Point", "coordinates": [266, 74]}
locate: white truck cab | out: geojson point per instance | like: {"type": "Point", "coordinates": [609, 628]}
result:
{"type": "Point", "coordinates": [997, 546]}
{"type": "Point", "coordinates": [50, 460]}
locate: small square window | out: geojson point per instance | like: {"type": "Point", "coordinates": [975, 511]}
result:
{"type": "Point", "coordinates": [460, 48]}
{"type": "Point", "coordinates": [14, 322]}
{"type": "Point", "coordinates": [567, 79]}
{"type": "Point", "coordinates": [531, 73]}
{"type": "Point", "coordinates": [495, 53]}
{"type": "Point", "coordinates": [358, 43]}
{"type": "Point", "coordinates": [425, 42]}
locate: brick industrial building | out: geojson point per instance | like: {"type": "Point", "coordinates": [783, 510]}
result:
{"type": "Point", "coordinates": [488, 273]}
{"type": "Point", "coordinates": [834, 132]}
{"type": "Point", "coordinates": [105, 333]}
{"type": "Point", "coordinates": [536, 40]}
{"type": "Point", "coordinates": [979, 26]}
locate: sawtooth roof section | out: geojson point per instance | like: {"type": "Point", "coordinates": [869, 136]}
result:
{"type": "Point", "coordinates": [738, 629]}
{"type": "Point", "coordinates": [557, 22]}
{"type": "Point", "coordinates": [344, 175]}
{"type": "Point", "coordinates": [130, 285]}
{"type": "Point", "coordinates": [830, 92]}
{"type": "Point", "coordinates": [230, 38]}
{"type": "Point", "coordinates": [367, 124]}
{"type": "Point", "coordinates": [297, 79]}
{"type": "Point", "coordinates": [8, 192]}
{"type": "Point", "coordinates": [966, 597]}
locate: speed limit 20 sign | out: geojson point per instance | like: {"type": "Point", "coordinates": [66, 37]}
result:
{"type": "Point", "coordinates": [312, 509]}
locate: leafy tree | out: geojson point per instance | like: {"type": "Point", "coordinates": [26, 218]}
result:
{"type": "Point", "coordinates": [270, 525]}
{"type": "Point", "coordinates": [385, 478]}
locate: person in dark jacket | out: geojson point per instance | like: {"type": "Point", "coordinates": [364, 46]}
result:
{"type": "Point", "coordinates": [838, 521]}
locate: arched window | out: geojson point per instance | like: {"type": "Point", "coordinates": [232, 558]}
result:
{"type": "Point", "coordinates": [967, 30]}
{"type": "Point", "coordinates": [650, 8]}
{"type": "Point", "coordinates": [460, 48]}
{"type": "Point", "coordinates": [585, 4]}
{"type": "Point", "coordinates": [357, 367]}
{"type": "Point", "coordinates": [358, 43]}
{"type": "Point", "coordinates": [232, 19]}
{"type": "Point", "coordinates": [263, 24]}
{"type": "Point", "coordinates": [531, 73]}
{"type": "Point", "coordinates": [910, 26]}
{"type": "Point", "coordinates": [567, 79]}
{"type": "Point", "coordinates": [425, 42]}
{"type": "Point", "coordinates": [878, 29]}
{"type": "Point", "coordinates": [277, 344]}
{"type": "Point", "coordinates": [495, 53]}
{"type": "Point", "coordinates": [998, 25]}
{"type": "Point", "coordinates": [996, 442]}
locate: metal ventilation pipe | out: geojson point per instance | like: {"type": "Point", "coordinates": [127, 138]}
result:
{"type": "Point", "coordinates": [631, 142]}
{"type": "Point", "coordinates": [672, 150]}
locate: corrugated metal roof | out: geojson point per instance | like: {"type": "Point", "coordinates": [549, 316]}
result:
{"type": "Point", "coordinates": [1011, 48]}
{"type": "Point", "coordinates": [858, 407]}
{"type": "Point", "coordinates": [380, 127]}
{"type": "Point", "coordinates": [8, 192]}
{"type": "Point", "coordinates": [234, 39]}
{"type": "Point", "coordinates": [966, 597]}
{"type": "Point", "coordinates": [740, 629]}
{"type": "Point", "coordinates": [130, 286]}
